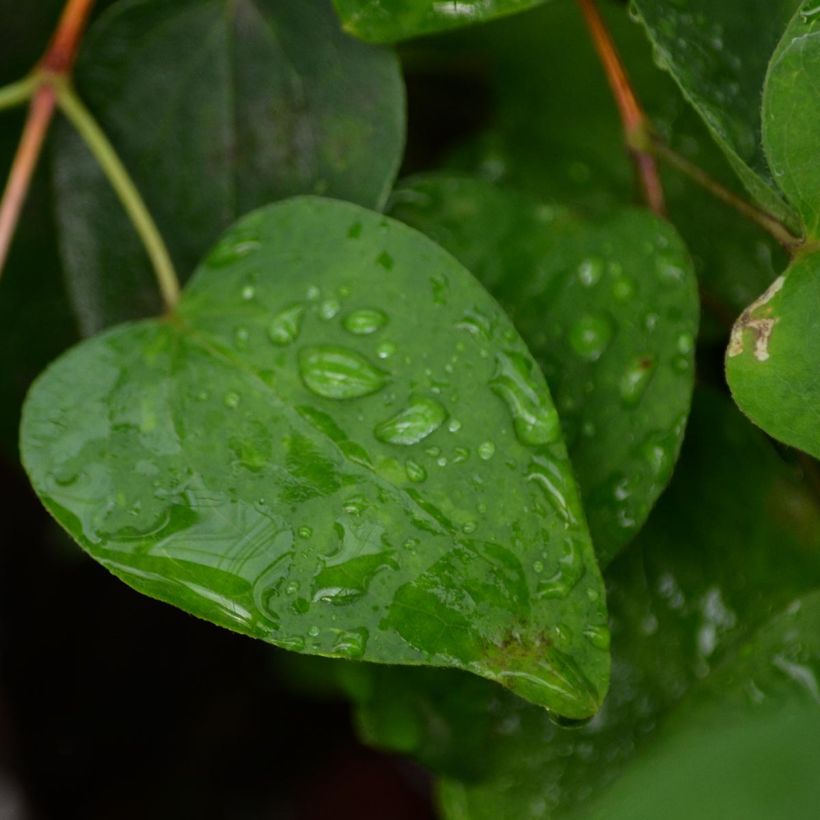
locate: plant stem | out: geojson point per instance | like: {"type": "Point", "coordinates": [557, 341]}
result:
{"type": "Point", "coordinates": [126, 190]}
{"type": "Point", "coordinates": [62, 51]}
{"type": "Point", "coordinates": [634, 121]}
{"type": "Point", "coordinates": [25, 161]}
{"type": "Point", "coordinates": [761, 218]}
{"type": "Point", "coordinates": [18, 93]}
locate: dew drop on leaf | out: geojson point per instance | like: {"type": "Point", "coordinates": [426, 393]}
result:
{"type": "Point", "coordinates": [365, 321]}
{"type": "Point", "coordinates": [415, 472]}
{"type": "Point", "coordinates": [338, 373]}
{"type": "Point", "coordinates": [635, 379]}
{"type": "Point", "coordinates": [415, 423]}
{"type": "Point", "coordinates": [286, 325]}
{"type": "Point", "coordinates": [486, 450]}
{"type": "Point", "coordinates": [590, 337]}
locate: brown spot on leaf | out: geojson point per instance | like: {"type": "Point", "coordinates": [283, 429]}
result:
{"type": "Point", "coordinates": [758, 319]}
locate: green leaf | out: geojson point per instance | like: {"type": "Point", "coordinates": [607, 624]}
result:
{"type": "Point", "coordinates": [274, 101]}
{"type": "Point", "coordinates": [609, 309]}
{"type": "Point", "coordinates": [732, 542]}
{"type": "Point", "coordinates": [718, 54]}
{"type": "Point", "coordinates": [387, 21]}
{"type": "Point", "coordinates": [772, 360]}
{"type": "Point", "coordinates": [252, 483]}
{"type": "Point", "coordinates": [791, 115]}
{"type": "Point", "coordinates": [582, 162]}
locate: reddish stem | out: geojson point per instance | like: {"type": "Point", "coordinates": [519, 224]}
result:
{"type": "Point", "coordinates": [39, 117]}
{"type": "Point", "coordinates": [635, 124]}
{"type": "Point", "coordinates": [61, 53]}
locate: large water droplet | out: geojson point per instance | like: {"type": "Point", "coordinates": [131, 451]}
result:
{"type": "Point", "coordinates": [535, 422]}
{"type": "Point", "coordinates": [286, 325]}
{"type": "Point", "coordinates": [552, 480]}
{"type": "Point", "coordinates": [413, 424]}
{"type": "Point", "coordinates": [636, 378]}
{"type": "Point", "coordinates": [351, 644]}
{"type": "Point", "coordinates": [365, 321]}
{"type": "Point", "coordinates": [590, 337]}
{"type": "Point", "coordinates": [339, 373]}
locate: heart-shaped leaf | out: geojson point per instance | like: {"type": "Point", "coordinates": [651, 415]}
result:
{"type": "Point", "coordinates": [217, 107]}
{"type": "Point", "coordinates": [609, 309]}
{"type": "Point", "coordinates": [732, 542]}
{"type": "Point", "coordinates": [718, 54]}
{"type": "Point", "coordinates": [772, 360]}
{"type": "Point", "coordinates": [338, 444]}
{"type": "Point", "coordinates": [791, 115]}
{"type": "Point", "coordinates": [388, 21]}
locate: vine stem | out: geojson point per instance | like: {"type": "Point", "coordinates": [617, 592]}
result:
{"type": "Point", "coordinates": [40, 114]}
{"type": "Point", "coordinates": [764, 220]}
{"type": "Point", "coordinates": [61, 53]}
{"type": "Point", "coordinates": [99, 145]}
{"type": "Point", "coordinates": [634, 121]}
{"type": "Point", "coordinates": [18, 93]}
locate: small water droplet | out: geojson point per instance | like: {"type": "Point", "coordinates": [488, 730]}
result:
{"type": "Point", "coordinates": [538, 567]}
{"type": "Point", "coordinates": [351, 644]}
{"type": "Point", "coordinates": [415, 472]}
{"type": "Point", "coordinates": [365, 321]}
{"type": "Point", "coordinates": [248, 292]}
{"type": "Point", "coordinates": [636, 378]}
{"type": "Point", "coordinates": [237, 245]}
{"type": "Point", "coordinates": [292, 588]}
{"type": "Point", "coordinates": [535, 422]}
{"type": "Point", "coordinates": [421, 418]}
{"type": "Point", "coordinates": [385, 350]}
{"type": "Point", "coordinates": [312, 293]}
{"type": "Point", "coordinates": [329, 308]}
{"type": "Point", "coordinates": [460, 454]}
{"type": "Point", "coordinates": [589, 272]}
{"type": "Point", "coordinates": [469, 527]}
{"type": "Point", "coordinates": [314, 631]}
{"type": "Point", "coordinates": [486, 450]}
{"type": "Point", "coordinates": [304, 532]}
{"type": "Point", "coordinates": [598, 636]}
{"type": "Point", "coordinates": [571, 569]}
{"type": "Point", "coordinates": [232, 399]}
{"type": "Point", "coordinates": [454, 425]}
{"type": "Point", "coordinates": [590, 337]}
{"type": "Point", "coordinates": [685, 343]}
{"type": "Point", "coordinates": [286, 326]}
{"type": "Point", "coordinates": [338, 373]}
{"type": "Point", "coordinates": [241, 337]}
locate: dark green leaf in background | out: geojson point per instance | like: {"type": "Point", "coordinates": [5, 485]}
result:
{"type": "Point", "coordinates": [388, 21]}
{"type": "Point", "coordinates": [791, 116]}
{"type": "Point", "coordinates": [339, 445]}
{"type": "Point", "coordinates": [609, 309]}
{"type": "Point", "coordinates": [217, 108]}
{"type": "Point", "coordinates": [718, 53]}
{"type": "Point", "coordinates": [772, 360]}
{"type": "Point", "coordinates": [732, 543]}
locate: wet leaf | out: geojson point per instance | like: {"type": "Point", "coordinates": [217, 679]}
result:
{"type": "Point", "coordinates": [732, 542]}
{"type": "Point", "coordinates": [388, 21]}
{"type": "Point", "coordinates": [791, 115]}
{"type": "Point", "coordinates": [772, 360]}
{"type": "Point", "coordinates": [251, 482]}
{"type": "Point", "coordinates": [274, 101]}
{"type": "Point", "coordinates": [609, 309]}
{"type": "Point", "coordinates": [718, 54]}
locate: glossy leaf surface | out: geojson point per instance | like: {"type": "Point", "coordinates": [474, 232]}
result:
{"type": "Point", "coordinates": [273, 101]}
{"type": "Point", "coordinates": [772, 360]}
{"type": "Point", "coordinates": [718, 53]}
{"type": "Point", "coordinates": [732, 542]}
{"type": "Point", "coordinates": [609, 309]}
{"type": "Point", "coordinates": [387, 21]}
{"type": "Point", "coordinates": [791, 116]}
{"type": "Point", "coordinates": [250, 459]}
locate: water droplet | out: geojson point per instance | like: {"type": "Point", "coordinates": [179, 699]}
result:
{"type": "Point", "coordinates": [623, 288]}
{"type": "Point", "coordinates": [486, 450]}
{"type": "Point", "coordinates": [460, 454]}
{"type": "Point", "coordinates": [598, 636]}
{"type": "Point", "coordinates": [234, 247]}
{"type": "Point", "coordinates": [685, 343]}
{"type": "Point", "coordinates": [439, 285]}
{"type": "Point", "coordinates": [329, 308]}
{"type": "Point", "coordinates": [313, 632]}
{"type": "Point", "coordinates": [232, 399]}
{"type": "Point", "coordinates": [313, 293]}
{"type": "Point", "coordinates": [415, 423]}
{"type": "Point", "coordinates": [589, 272]}
{"type": "Point", "coordinates": [365, 321]}
{"type": "Point", "coordinates": [454, 425]}
{"type": "Point", "coordinates": [304, 532]}
{"type": "Point", "coordinates": [241, 337]}
{"type": "Point", "coordinates": [538, 567]}
{"type": "Point", "coordinates": [571, 569]}
{"type": "Point", "coordinates": [248, 292]}
{"type": "Point", "coordinates": [338, 373]}
{"type": "Point", "coordinates": [535, 422]}
{"type": "Point", "coordinates": [385, 350]}
{"type": "Point", "coordinates": [552, 480]}
{"type": "Point", "coordinates": [469, 527]}
{"type": "Point", "coordinates": [590, 337]}
{"type": "Point", "coordinates": [351, 644]}
{"type": "Point", "coordinates": [415, 472]}
{"type": "Point", "coordinates": [286, 325]}
{"type": "Point", "coordinates": [650, 321]}
{"type": "Point", "coordinates": [292, 588]}
{"type": "Point", "coordinates": [635, 379]}
{"type": "Point", "coordinates": [670, 270]}
{"type": "Point", "coordinates": [477, 323]}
